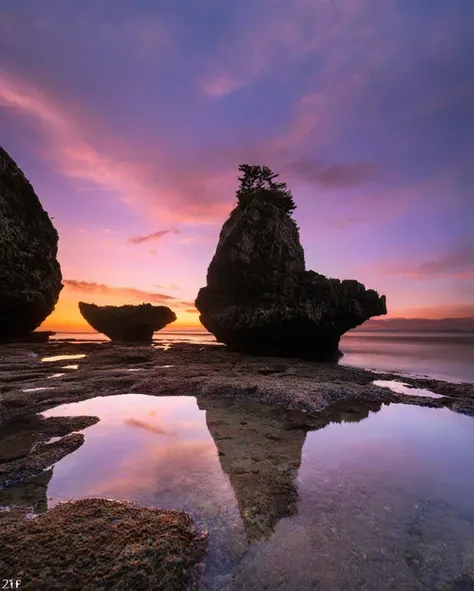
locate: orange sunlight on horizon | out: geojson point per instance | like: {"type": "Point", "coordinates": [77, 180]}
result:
{"type": "Point", "coordinates": [67, 318]}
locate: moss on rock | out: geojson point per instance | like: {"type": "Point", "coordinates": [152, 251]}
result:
{"type": "Point", "coordinates": [101, 544]}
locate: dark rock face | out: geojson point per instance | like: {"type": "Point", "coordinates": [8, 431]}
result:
{"type": "Point", "coordinates": [131, 324]}
{"type": "Point", "coordinates": [259, 298]}
{"type": "Point", "coordinates": [38, 336]}
{"type": "Point", "coordinates": [30, 275]}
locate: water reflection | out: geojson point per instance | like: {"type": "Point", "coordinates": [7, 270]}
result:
{"type": "Point", "coordinates": [260, 450]}
{"type": "Point", "coordinates": [385, 491]}
{"type": "Point", "coordinates": [38, 389]}
{"type": "Point", "coordinates": [31, 494]}
{"type": "Point", "coordinates": [402, 388]}
{"type": "Point", "coordinates": [62, 357]}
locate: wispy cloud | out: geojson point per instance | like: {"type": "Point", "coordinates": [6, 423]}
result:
{"type": "Point", "coordinates": [277, 32]}
{"type": "Point", "coordinates": [457, 264]}
{"type": "Point", "coordinates": [70, 143]}
{"type": "Point", "coordinates": [438, 312]}
{"type": "Point", "coordinates": [147, 426]}
{"type": "Point", "coordinates": [172, 287]}
{"type": "Point", "coordinates": [91, 288]}
{"type": "Point", "coordinates": [343, 174]}
{"type": "Point", "coordinates": [153, 236]}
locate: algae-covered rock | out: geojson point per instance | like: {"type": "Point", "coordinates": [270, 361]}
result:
{"type": "Point", "coordinates": [127, 323]}
{"type": "Point", "coordinates": [259, 298]}
{"type": "Point", "coordinates": [101, 544]}
{"type": "Point", "coordinates": [30, 275]}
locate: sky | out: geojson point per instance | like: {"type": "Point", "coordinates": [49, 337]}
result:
{"type": "Point", "coordinates": [130, 118]}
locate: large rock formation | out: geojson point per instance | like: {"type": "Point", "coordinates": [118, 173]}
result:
{"type": "Point", "coordinates": [30, 276]}
{"type": "Point", "coordinates": [259, 298]}
{"type": "Point", "coordinates": [132, 324]}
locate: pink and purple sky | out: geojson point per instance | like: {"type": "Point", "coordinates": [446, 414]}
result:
{"type": "Point", "coordinates": [130, 119]}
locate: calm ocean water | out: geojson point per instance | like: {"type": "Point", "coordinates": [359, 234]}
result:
{"type": "Point", "coordinates": [441, 355]}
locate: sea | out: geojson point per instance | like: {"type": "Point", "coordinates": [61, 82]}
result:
{"type": "Point", "coordinates": [445, 356]}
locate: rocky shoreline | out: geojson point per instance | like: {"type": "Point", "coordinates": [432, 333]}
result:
{"type": "Point", "coordinates": [35, 377]}
{"type": "Point", "coordinates": [29, 385]}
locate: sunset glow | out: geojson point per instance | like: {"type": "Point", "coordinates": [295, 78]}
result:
{"type": "Point", "coordinates": [130, 123]}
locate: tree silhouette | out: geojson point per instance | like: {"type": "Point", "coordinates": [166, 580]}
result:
{"type": "Point", "coordinates": [260, 182]}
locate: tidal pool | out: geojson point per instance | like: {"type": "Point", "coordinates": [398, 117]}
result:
{"type": "Point", "coordinates": [402, 388]}
{"type": "Point", "coordinates": [371, 497]}
{"type": "Point", "coordinates": [62, 357]}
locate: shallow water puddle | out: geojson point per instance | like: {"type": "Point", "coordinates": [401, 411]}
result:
{"type": "Point", "coordinates": [386, 492]}
{"type": "Point", "coordinates": [70, 367]}
{"type": "Point", "coordinates": [63, 357]}
{"type": "Point", "coordinates": [56, 375]}
{"type": "Point", "coordinates": [402, 388]}
{"type": "Point", "coordinates": [39, 389]}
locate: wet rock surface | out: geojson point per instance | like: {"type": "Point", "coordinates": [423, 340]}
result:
{"type": "Point", "coordinates": [131, 324]}
{"type": "Point", "coordinates": [189, 369]}
{"type": "Point", "coordinates": [25, 450]}
{"type": "Point", "coordinates": [26, 497]}
{"type": "Point", "coordinates": [259, 298]}
{"type": "Point", "coordinates": [102, 544]}
{"type": "Point", "coordinates": [30, 275]}
{"type": "Point", "coordinates": [386, 536]}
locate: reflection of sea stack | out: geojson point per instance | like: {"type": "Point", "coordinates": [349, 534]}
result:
{"type": "Point", "coordinates": [259, 298]}
{"type": "Point", "coordinates": [127, 323]}
{"type": "Point", "coordinates": [30, 276]}
{"type": "Point", "coordinates": [260, 450]}
{"type": "Point", "coordinates": [261, 454]}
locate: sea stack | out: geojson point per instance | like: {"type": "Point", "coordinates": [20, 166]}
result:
{"type": "Point", "coordinates": [127, 324]}
{"type": "Point", "coordinates": [30, 275]}
{"type": "Point", "coordinates": [259, 298]}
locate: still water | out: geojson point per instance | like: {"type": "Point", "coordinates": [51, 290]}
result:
{"type": "Point", "coordinates": [380, 497]}
{"type": "Point", "coordinates": [441, 355]}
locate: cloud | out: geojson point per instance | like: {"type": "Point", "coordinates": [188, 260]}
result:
{"type": "Point", "coordinates": [76, 148]}
{"type": "Point", "coordinates": [457, 264]}
{"type": "Point", "coordinates": [188, 304]}
{"type": "Point", "coordinates": [426, 319]}
{"type": "Point", "coordinates": [89, 287]}
{"type": "Point", "coordinates": [438, 312]}
{"type": "Point", "coordinates": [167, 287]}
{"type": "Point", "coordinates": [153, 236]}
{"type": "Point", "coordinates": [157, 430]}
{"type": "Point", "coordinates": [277, 32]}
{"type": "Point", "coordinates": [344, 174]}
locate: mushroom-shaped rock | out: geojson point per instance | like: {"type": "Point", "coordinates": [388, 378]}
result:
{"type": "Point", "coordinates": [259, 298]}
{"type": "Point", "coordinates": [30, 275]}
{"type": "Point", "coordinates": [130, 324]}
